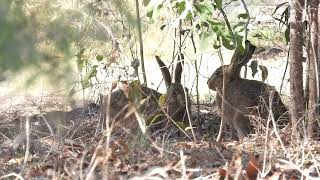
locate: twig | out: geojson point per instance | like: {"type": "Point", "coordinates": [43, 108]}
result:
{"type": "Point", "coordinates": [183, 165]}
{"type": "Point", "coordinates": [12, 174]}
{"type": "Point", "coordinates": [285, 71]}
{"type": "Point", "coordinates": [141, 44]}
{"type": "Point", "coordinates": [222, 123]}
{"type": "Point", "coordinates": [184, 90]}
{"type": "Point", "coordinates": [27, 152]}
{"type": "Point", "coordinates": [294, 166]}
{"type": "Point", "coordinates": [197, 84]}
{"type": "Point", "coordinates": [94, 165]}
{"type": "Point", "coordinates": [247, 23]}
{"type": "Point", "coordinates": [246, 33]}
{"type": "Point", "coordinates": [227, 22]}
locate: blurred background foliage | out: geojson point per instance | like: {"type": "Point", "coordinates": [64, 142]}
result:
{"type": "Point", "coordinates": [86, 44]}
{"type": "Point", "coordinates": [49, 37]}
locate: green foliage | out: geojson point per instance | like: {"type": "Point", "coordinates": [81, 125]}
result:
{"type": "Point", "coordinates": [154, 119]}
{"type": "Point", "coordinates": [50, 37]}
{"type": "Point", "coordinates": [243, 16]}
{"type": "Point", "coordinates": [181, 125]}
{"type": "Point", "coordinates": [99, 57]}
{"type": "Point", "coordinates": [211, 30]}
{"type": "Point", "coordinates": [162, 100]}
{"type": "Point", "coordinates": [218, 4]}
{"type": "Point", "coordinates": [91, 73]}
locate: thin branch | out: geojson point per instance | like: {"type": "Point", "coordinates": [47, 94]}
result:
{"type": "Point", "coordinates": [197, 84]}
{"type": "Point", "coordinates": [141, 44]}
{"type": "Point", "coordinates": [246, 33]}
{"type": "Point", "coordinates": [285, 71]}
{"type": "Point", "coordinates": [226, 20]}
{"type": "Point", "coordinates": [248, 20]}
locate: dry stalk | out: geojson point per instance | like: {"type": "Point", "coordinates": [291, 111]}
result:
{"type": "Point", "coordinates": [223, 121]}
{"type": "Point", "coordinates": [27, 152]}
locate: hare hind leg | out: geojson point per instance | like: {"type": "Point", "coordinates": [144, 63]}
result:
{"type": "Point", "coordinates": [240, 123]}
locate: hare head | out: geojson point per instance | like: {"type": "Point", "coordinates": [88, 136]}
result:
{"type": "Point", "coordinates": [216, 79]}
{"type": "Point", "coordinates": [177, 100]}
{"type": "Point", "coordinates": [232, 71]}
{"type": "Point", "coordinates": [240, 95]}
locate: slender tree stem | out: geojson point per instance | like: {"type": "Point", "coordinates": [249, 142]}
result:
{"type": "Point", "coordinates": [141, 44]}
{"type": "Point", "coordinates": [197, 85]}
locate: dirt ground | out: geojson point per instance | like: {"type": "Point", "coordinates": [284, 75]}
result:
{"type": "Point", "coordinates": [71, 143]}
{"type": "Point", "coordinates": [50, 136]}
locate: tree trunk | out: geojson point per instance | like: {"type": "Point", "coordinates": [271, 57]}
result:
{"type": "Point", "coordinates": [313, 60]}
{"type": "Point", "coordinates": [296, 69]}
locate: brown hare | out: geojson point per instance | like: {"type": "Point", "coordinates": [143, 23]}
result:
{"type": "Point", "coordinates": [241, 95]}
{"type": "Point", "coordinates": [175, 104]}
{"type": "Point", "coordinates": [177, 100]}
{"type": "Point", "coordinates": [121, 112]}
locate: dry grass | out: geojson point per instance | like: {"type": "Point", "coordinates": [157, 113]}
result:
{"type": "Point", "coordinates": [88, 152]}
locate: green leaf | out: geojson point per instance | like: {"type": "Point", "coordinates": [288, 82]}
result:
{"type": "Point", "coordinates": [99, 57]}
{"type": "Point", "coordinates": [154, 119]}
{"type": "Point", "coordinates": [162, 100]}
{"type": "Point", "coordinates": [243, 16]}
{"type": "Point", "coordinates": [240, 43]}
{"type": "Point", "coordinates": [80, 64]}
{"type": "Point", "coordinates": [218, 4]}
{"type": "Point", "coordinates": [180, 6]}
{"type": "Point", "coordinates": [217, 26]}
{"type": "Point", "coordinates": [204, 9]}
{"type": "Point", "coordinates": [162, 27]}
{"type": "Point", "coordinates": [227, 40]}
{"type": "Point", "coordinates": [86, 79]}
{"type": "Point", "coordinates": [216, 46]}
{"type": "Point", "coordinates": [181, 125]}
{"type": "Point", "coordinates": [287, 35]}
{"type": "Point", "coordinates": [145, 2]}
{"type": "Point", "coordinates": [149, 13]}
{"type": "Point", "coordinates": [204, 42]}
{"type": "Point", "coordinates": [239, 24]}
{"type": "Point", "coordinates": [227, 43]}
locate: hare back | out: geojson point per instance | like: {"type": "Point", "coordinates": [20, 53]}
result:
{"type": "Point", "coordinates": [243, 94]}
{"type": "Point", "coordinates": [119, 103]}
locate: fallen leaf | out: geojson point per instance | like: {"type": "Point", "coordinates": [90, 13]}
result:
{"type": "Point", "coordinates": [253, 167]}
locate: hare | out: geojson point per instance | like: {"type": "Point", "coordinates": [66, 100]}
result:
{"type": "Point", "coordinates": [121, 112]}
{"type": "Point", "coordinates": [243, 94]}
{"type": "Point", "coordinates": [177, 101]}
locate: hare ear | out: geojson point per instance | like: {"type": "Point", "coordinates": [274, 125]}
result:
{"type": "Point", "coordinates": [241, 58]}
{"type": "Point", "coordinates": [178, 71]}
{"type": "Point", "coordinates": [165, 72]}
